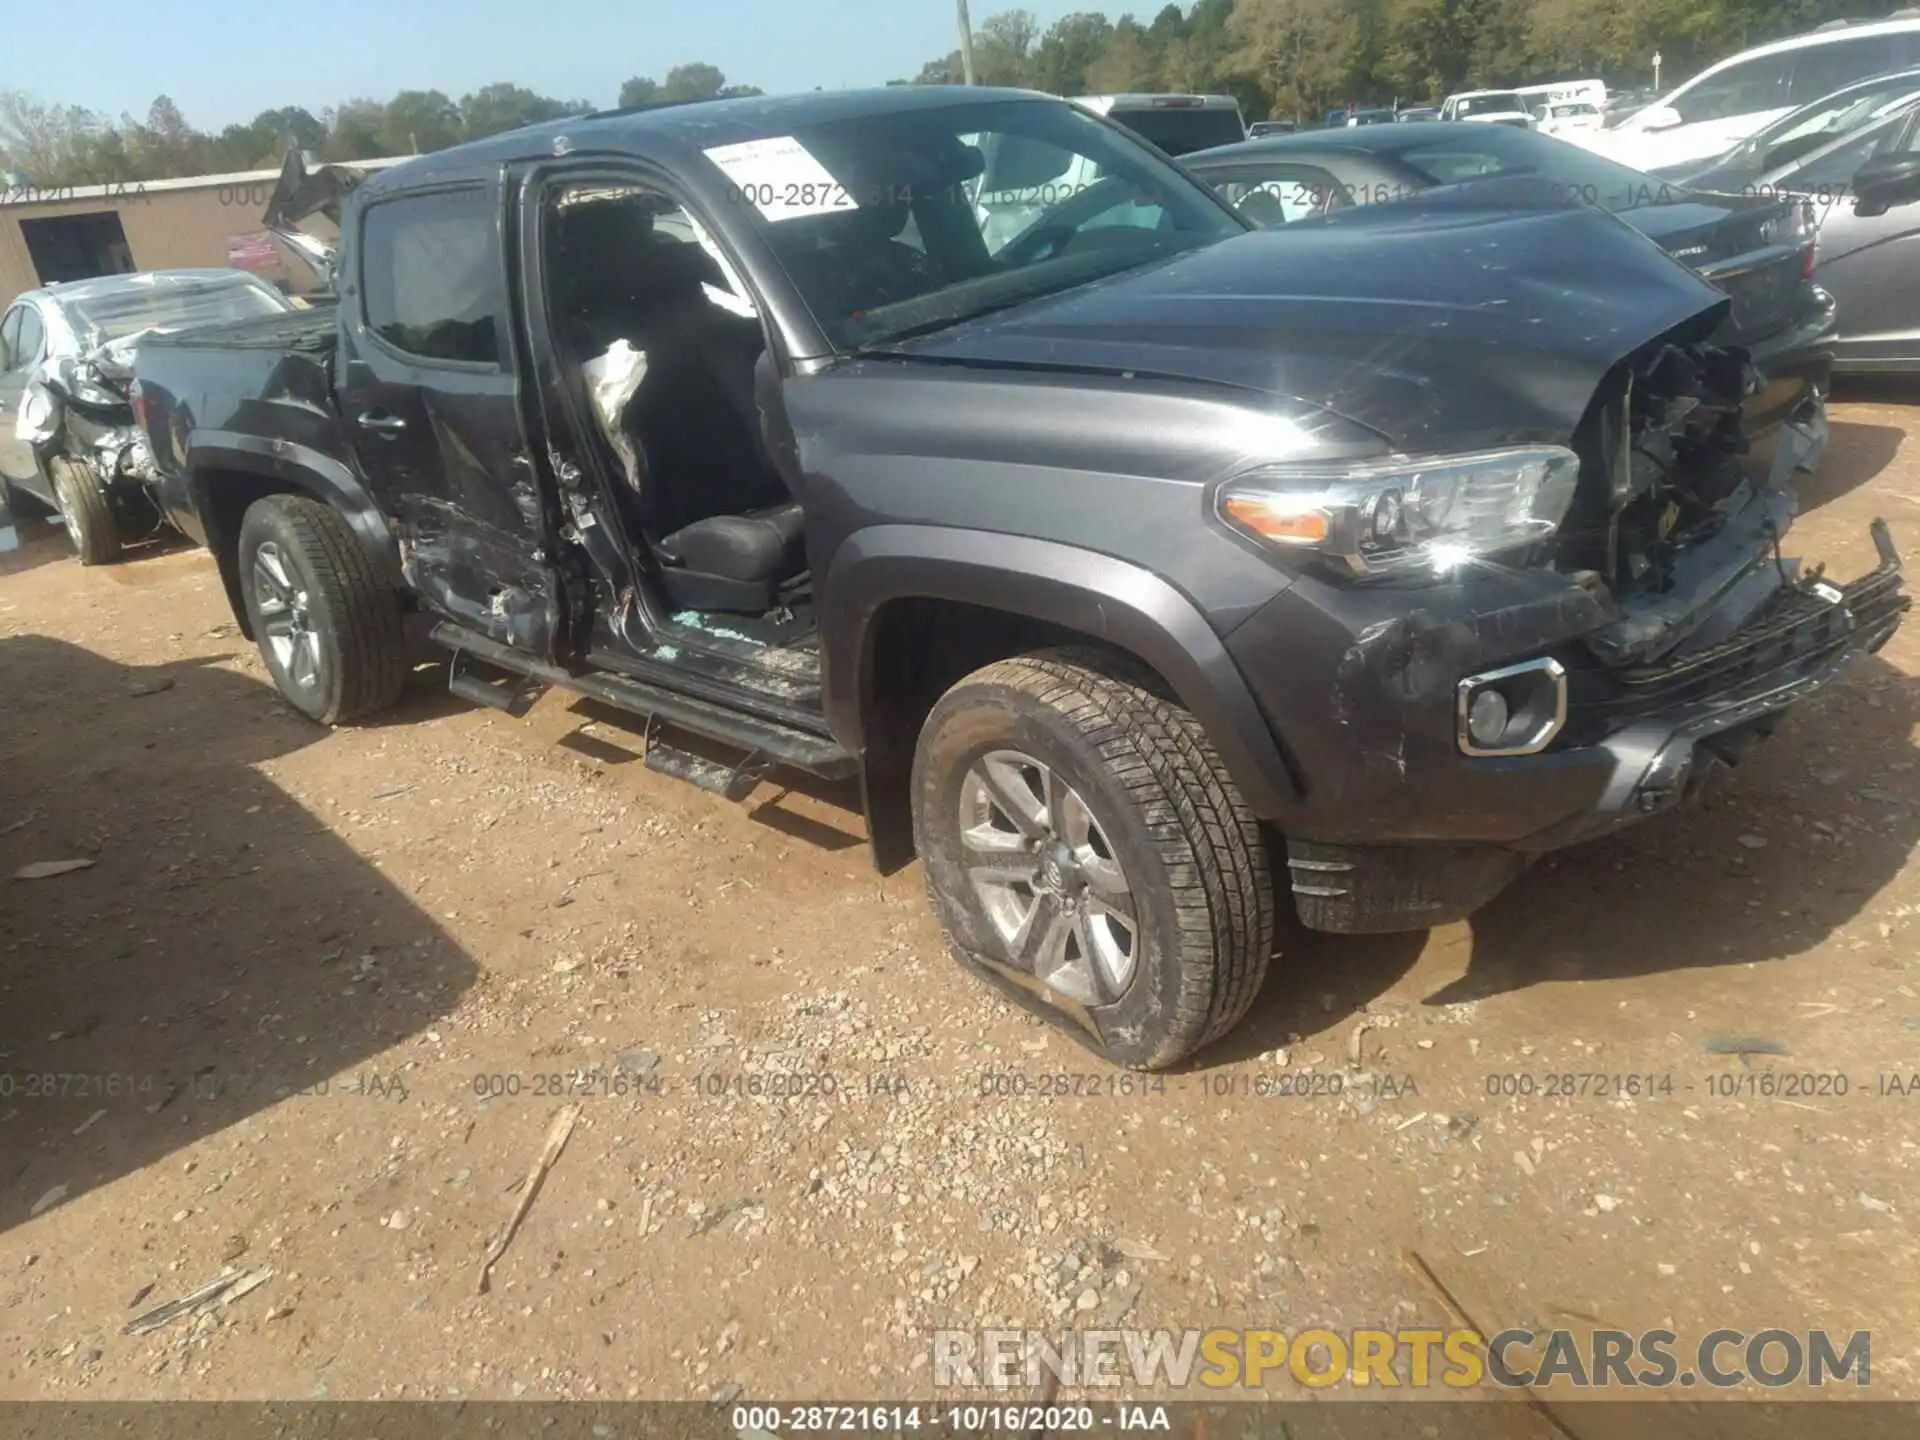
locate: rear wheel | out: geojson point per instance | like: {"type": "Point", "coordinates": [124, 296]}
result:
{"type": "Point", "coordinates": [328, 630]}
{"type": "Point", "coordinates": [1087, 851]}
{"type": "Point", "coordinates": [85, 510]}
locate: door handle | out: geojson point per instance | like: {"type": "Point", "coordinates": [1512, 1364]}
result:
{"type": "Point", "coordinates": [385, 425]}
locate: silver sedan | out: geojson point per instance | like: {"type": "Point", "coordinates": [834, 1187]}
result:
{"type": "Point", "coordinates": [1862, 185]}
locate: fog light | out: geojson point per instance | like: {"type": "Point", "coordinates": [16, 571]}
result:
{"type": "Point", "coordinates": [1487, 718]}
{"type": "Point", "coordinates": [1516, 710]}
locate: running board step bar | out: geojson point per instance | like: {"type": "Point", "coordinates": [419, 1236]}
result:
{"type": "Point", "coordinates": [767, 743]}
{"type": "Point", "coordinates": [730, 782]}
{"type": "Point", "coordinates": [515, 696]}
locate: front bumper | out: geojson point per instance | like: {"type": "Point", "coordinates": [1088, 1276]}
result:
{"type": "Point", "coordinates": [1637, 741]}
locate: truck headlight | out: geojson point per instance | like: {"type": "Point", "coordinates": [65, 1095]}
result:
{"type": "Point", "coordinates": [1393, 515]}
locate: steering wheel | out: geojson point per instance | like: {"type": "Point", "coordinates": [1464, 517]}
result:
{"type": "Point", "coordinates": [1042, 242]}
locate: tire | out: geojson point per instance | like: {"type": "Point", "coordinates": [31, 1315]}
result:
{"type": "Point", "coordinates": [85, 510]}
{"type": "Point", "coordinates": [1137, 789]}
{"type": "Point", "coordinates": [329, 630]}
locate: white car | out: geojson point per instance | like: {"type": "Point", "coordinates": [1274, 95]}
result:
{"type": "Point", "coordinates": [1488, 107]}
{"type": "Point", "coordinates": [1726, 103]}
{"type": "Point", "coordinates": [1569, 117]}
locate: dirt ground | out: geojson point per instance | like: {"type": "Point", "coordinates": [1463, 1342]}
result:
{"type": "Point", "coordinates": [314, 1005]}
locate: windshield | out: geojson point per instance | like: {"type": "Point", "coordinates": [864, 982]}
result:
{"type": "Point", "coordinates": [1567, 112]}
{"type": "Point", "coordinates": [1498, 103]}
{"type": "Point", "coordinates": [159, 301]}
{"type": "Point", "coordinates": [1486, 152]}
{"type": "Point", "coordinates": [1812, 126]}
{"type": "Point", "coordinates": [1180, 132]}
{"type": "Point", "coordinates": [898, 224]}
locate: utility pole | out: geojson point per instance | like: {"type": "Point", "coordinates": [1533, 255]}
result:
{"type": "Point", "coordinates": [966, 42]}
{"type": "Point", "coordinates": [1656, 67]}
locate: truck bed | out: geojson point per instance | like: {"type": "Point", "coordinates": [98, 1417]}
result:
{"type": "Point", "coordinates": [308, 331]}
{"type": "Point", "coordinates": [240, 386]}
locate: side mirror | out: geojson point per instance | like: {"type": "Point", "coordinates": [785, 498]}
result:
{"type": "Point", "coordinates": [1883, 183]}
{"type": "Point", "coordinates": [1658, 117]}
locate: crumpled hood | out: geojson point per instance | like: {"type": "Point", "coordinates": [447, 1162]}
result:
{"type": "Point", "coordinates": [1441, 323]}
{"type": "Point", "coordinates": [302, 192]}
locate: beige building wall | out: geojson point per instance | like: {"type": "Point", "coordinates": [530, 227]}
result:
{"type": "Point", "coordinates": [168, 223]}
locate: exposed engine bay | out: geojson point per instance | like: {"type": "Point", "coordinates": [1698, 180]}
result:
{"type": "Point", "coordinates": [1666, 471]}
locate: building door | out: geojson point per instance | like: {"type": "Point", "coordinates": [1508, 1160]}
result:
{"type": "Point", "coordinates": [77, 247]}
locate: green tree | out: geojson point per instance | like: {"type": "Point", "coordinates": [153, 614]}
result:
{"type": "Point", "coordinates": [1067, 50]}
{"type": "Point", "coordinates": [499, 107]}
{"type": "Point", "coordinates": [639, 90]}
{"type": "Point", "coordinates": [698, 81]}
{"type": "Point", "coordinates": [1003, 48]}
{"type": "Point", "coordinates": [1125, 62]}
{"type": "Point", "coordinates": [1302, 52]}
{"type": "Point", "coordinates": [354, 131]}
{"type": "Point", "coordinates": [415, 122]}
{"type": "Point", "coordinates": [44, 143]}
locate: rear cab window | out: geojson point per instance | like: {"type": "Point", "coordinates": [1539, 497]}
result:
{"type": "Point", "coordinates": [1182, 131]}
{"type": "Point", "coordinates": [431, 281]}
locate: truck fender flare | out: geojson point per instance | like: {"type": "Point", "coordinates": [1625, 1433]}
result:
{"type": "Point", "coordinates": [1104, 598]}
{"type": "Point", "coordinates": [306, 470]}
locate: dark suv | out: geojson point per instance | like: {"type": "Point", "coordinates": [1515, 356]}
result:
{"type": "Point", "coordinates": [956, 441]}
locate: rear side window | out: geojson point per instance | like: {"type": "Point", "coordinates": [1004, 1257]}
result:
{"type": "Point", "coordinates": [22, 338]}
{"type": "Point", "coordinates": [1830, 176]}
{"type": "Point", "coordinates": [33, 337]}
{"type": "Point", "coordinates": [1741, 89]}
{"type": "Point", "coordinates": [430, 276]}
{"type": "Point", "coordinates": [1281, 194]}
{"type": "Point", "coordinates": [1819, 70]}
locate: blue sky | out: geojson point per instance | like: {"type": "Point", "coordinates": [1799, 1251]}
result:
{"type": "Point", "coordinates": [230, 61]}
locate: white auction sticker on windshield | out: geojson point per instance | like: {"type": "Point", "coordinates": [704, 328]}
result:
{"type": "Point", "coordinates": [780, 178]}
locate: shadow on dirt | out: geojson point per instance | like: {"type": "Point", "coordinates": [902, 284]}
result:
{"type": "Point", "coordinates": [1856, 454]}
{"type": "Point", "coordinates": [1786, 850]}
{"type": "Point", "coordinates": [225, 949]}
{"type": "Point", "coordinates": [1833, 800]}
{"type": "Point", "coordinates": [40, 543]}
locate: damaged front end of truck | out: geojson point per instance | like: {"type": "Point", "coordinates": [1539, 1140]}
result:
{"type": "Point", "coordinates": [1493, 702]}
{"type": "Point", "coordinates": [1711, 630]}
{"type": "Point", "coordinates": [1657, 637]}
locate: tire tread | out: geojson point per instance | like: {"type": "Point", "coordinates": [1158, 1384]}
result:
{"type": "Point", "coordinates": [366, 613]}
{"type": "Point", "coordinates": [99, 540]}
{"type": "Point", "coordinates": [1209, 843]}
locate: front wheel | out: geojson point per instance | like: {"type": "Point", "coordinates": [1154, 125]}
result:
{"type": "Point", "coordinates": [328, 630]}
{"type": "Point", "coordinates": [86, 510]}
{"type": "Point", "coordinates": [1087, 851]}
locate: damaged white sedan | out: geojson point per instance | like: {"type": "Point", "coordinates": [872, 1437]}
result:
{"type": "Point", "coordinates": [69, 438]}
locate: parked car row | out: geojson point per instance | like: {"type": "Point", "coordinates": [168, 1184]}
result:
{"type": "Point", "coordinates": [1756, 223]}
{"type": "Point", "coordinates": [1727, 102]}
{"type": "Point", "coordinates": [1146, 567]}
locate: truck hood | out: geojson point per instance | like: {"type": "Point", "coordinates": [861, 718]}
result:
{"type": "Point", "coordinates": [1440, 323]}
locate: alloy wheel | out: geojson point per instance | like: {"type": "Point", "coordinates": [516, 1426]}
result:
{"type": "Point", "coordinates": [1048, 877]}
{"type": "Point", "coordinates": [284, 618]}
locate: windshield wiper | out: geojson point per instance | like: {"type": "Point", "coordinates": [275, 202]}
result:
{"type": "Point", "coordinates": [928, 327]}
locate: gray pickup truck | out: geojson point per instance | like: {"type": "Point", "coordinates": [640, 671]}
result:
{"type": "Point", "coordinates": [1141, 566]}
